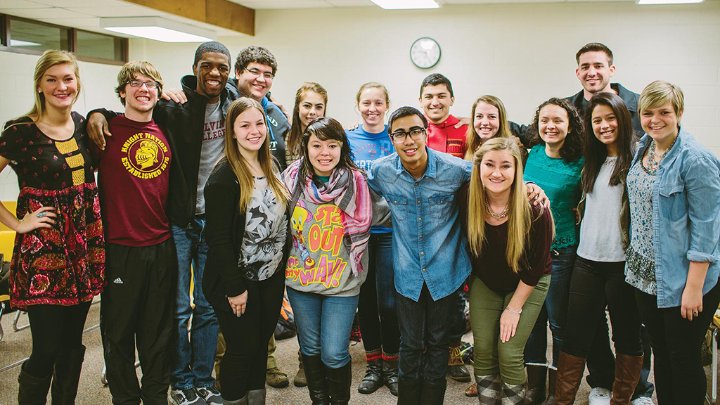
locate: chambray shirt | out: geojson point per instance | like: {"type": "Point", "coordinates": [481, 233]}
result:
{"type": "Point", "coordinates": [686, 216]}
{"type": "Point", "coordinates": [428, 243]}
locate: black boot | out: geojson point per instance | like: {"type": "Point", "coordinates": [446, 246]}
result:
{"type": "Point", "coordinates": [338, 383]}
{"type": "Point", "coordinates": [315, 375]}
{"type": "Point", "coordinates": [66, 376]}
{"type": "Point", "coordinates": [409, 391]}
{"type": "Point", "coordinates": [536, 379]}
{"type": "Point", "coordinates": [32, 390]}
{"type": "Point", "coordinates": [390, 375]}
{"type": "Point", "coordinates": [433, 392]}
{"type": "Point", "coordinates": [373, 377]}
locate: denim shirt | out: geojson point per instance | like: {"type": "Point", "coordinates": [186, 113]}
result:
{"type": "Point", "coordinates": [686, 216]}
{"type": "Point", "coordinates": [428, 242]}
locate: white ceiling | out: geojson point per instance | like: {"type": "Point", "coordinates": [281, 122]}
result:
{"type": "Point", "coordinates": [86, 14]}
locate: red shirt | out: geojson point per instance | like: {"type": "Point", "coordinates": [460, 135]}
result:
{"type": "Point", "coordinates": [134, 181]}
{"type": "Point", "coordinates": [444, 137]}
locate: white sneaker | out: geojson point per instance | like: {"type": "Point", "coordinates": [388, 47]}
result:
{"type": "Point", "coordinates": [643, 401]}
{"type": "Point", "coordinates": [599, 396]}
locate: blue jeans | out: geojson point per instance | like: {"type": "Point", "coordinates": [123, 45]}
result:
{"type": "Point", "coordinates": [195, 353]}
{"type": "Point", "coordinates": [376, 308]}
{"type": "Point", "coordinates": [555, 310]}
{"type": "Point", "coordinates": [424, 336]}
{"type": "Point", "coordinates": [323, 324]}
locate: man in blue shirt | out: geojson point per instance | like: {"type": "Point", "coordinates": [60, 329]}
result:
{"type": "Point", "coordinates": [429, 250]}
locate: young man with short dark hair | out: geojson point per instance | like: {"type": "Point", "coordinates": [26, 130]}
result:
{"type": "Point", "coordinates": [445, 135]}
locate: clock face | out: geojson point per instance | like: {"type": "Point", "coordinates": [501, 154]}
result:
{"type": "Point", "coordinates": [425, 53]}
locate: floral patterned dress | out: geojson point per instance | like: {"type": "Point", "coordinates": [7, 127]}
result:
{"type": "Point", "coordinates": [64, 264]}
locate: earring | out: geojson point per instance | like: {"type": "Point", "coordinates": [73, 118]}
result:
{"type": "Point", "coordinates": [39, 91]}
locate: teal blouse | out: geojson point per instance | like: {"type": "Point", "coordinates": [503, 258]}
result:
{"type": "Point", "coordinates": [561, 182]}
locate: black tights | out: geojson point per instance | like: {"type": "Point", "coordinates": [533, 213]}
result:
{"type": "Point", "coordinates": [55, 330]}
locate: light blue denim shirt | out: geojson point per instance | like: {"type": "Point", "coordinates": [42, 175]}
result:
{"type": "Point", "coordinates": [428, 243]}
{"type": "Point", "coordinates": [686, 216]}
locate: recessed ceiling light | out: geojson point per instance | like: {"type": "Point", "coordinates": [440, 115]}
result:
{"type": "Point", "coordinates": [156, 28]}
{"type": "Point", "coordinates": [406, 4]}
{"type": "Point", "coordinates": [646, 2]}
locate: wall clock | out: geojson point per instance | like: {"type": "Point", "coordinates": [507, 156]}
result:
{"type": "Point", "coordinates": [425, 52]}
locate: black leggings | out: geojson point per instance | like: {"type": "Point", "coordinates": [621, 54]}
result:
{"type": "Point", "coordinates": [56, 330]}
{"type": "Point", "coordinates": [676, 342]}
{"type": "Point", "coordinates": [242, 368]}
{"type": "Point", "coordinates": [593, 286]}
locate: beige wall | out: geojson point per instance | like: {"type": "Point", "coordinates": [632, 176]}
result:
{"type": "Point", "coordinates": [521, 53]}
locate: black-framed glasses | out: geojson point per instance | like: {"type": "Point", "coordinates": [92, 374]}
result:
{"type": "Point", "coordinates": [137, 84]}
{"type": "Point", "coordinates": [415, 134]}
{"type": "Point", "coordinates": [258, 73]}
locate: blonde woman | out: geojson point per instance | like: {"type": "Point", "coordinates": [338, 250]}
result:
{"type": "Point", "coordinates": [248, 239]}
{"type": "Point", "coordinates": [310, 104]}
{"type": "Point", "coordinates": [509, 241]}
{"type": "Point", "coordinates": [489, 120]}
{"type": "Point", "coordinates": [58, 262]}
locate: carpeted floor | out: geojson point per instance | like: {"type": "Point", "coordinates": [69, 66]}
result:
{"type": "Point", "coordinates": [15, 347]}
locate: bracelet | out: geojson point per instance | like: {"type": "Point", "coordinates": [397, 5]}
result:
{"type": "Point", "coordinates": [519, 311]}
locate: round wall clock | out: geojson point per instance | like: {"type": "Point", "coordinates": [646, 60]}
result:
{"type": "Point", "coordinates": [425, 52]}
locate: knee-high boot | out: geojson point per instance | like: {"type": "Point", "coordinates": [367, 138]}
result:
{"type": "Point", "coordinates": [569, 375]}
{"type": "Point", "coordinates": [316, 380]}
{"type": "Point", "coordinates": [32, 390]}
{"type": "Point", "coordinates": [66, 376]}
{"type": "Point", "coordinates": [627, 374]}
{"type": "Point", "coordinates": [338, 384]}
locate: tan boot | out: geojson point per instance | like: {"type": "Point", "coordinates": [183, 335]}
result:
{"type": "Point", "coordinates": [569, 375]}
{"type": "Point", "coordinates": [627, 374]}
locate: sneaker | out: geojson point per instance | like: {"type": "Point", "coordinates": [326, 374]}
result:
{"type": "Point", "coordinates": [210, 395]}
{"type": "Point", "coordinates": [599, 396]}
{"type": "Point", "coordinates": [643, 401]}
{"type": "Point", "coordinates": [185, 397]}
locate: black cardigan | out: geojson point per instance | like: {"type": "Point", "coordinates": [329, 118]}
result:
{"type": "Point", "coordinates": [224, 230]}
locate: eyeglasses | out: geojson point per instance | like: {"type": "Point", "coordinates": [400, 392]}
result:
{"type": "Point", "coordinates": [415, 134]}
{"type": "Point", "coordinates": [138, 84]}
{"type": "Point", "coordinates": [258, 73]}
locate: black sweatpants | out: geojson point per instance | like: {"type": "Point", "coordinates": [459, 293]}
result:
{"type": "Point", "coordinates": [242, 368]}
{"type": "Point", "coordinates": [138, 307]}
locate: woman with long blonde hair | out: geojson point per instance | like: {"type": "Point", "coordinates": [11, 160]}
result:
{"type": "Point", "coordinates": [509, 242]}
{"type": "Point", "coordinates": [489, 120]}
{"type": "Point", "coordinates": [248, 239]}
{"type": "Point", "coordinates": [58, 263]}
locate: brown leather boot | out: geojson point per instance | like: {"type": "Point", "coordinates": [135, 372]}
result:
{"type": "Point", "coordinates": [536, 379]}
{"type": "Point", "coordinates": [569, 375]}
{"type": "Point", "coordinates": [627, 374]}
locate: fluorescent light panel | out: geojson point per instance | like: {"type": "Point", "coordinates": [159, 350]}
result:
{"type": "Point", "coordinates": [646, 2]}
{"type": "Point", "coordinates": [17, 42]}
{"type": "Point", "coordinates": [156, 28]}
{"type": "Point", "coordinates": [406, 4]}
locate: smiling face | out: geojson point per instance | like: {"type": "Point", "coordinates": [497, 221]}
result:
{"type": "Point", "coordinates": [594, 72]}
{"type": "Point", "coordinates": [411, 150]}
{"type": "Point", "coordinates": [497, 171]}
{"type": "Point", "coordinates": [212, 71]}
{"type": "Point", "coordinates": [436, 102]}
{"type": "Point", "coordinates": [553, 125]}
{"type": "Point", "coordinates": [486, 120]}
{"type": "Point", "coordinates": [255, 81]}
{"type": "Point", "coordinates": [661, 123]}
{"type": "Point", "coordinates": [250, 130]}
{"type": "Point", "coordinates": [605, 125]}
{"type": "Point", "coordinates": [59, 86]}
{"type": "Point", "coordinates": [373, 106]}
{"type": "Point", "coordinates": [311, 107]}
{"type": "Point", "coordinates": [324, 156]}
{"type": "Point", "coordinates": [139, 100]}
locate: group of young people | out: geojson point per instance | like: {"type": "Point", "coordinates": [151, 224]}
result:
{"type": "Point", "coordinates": [603, 201]}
